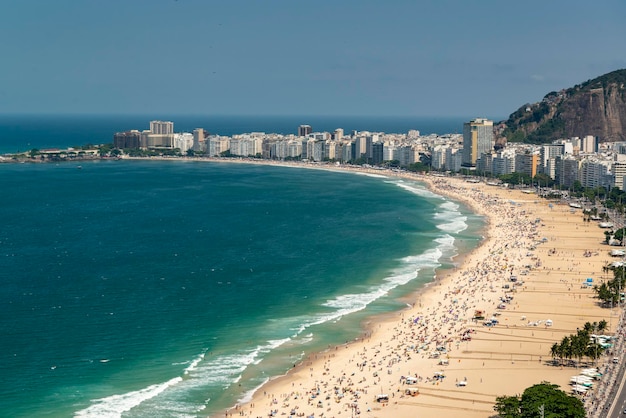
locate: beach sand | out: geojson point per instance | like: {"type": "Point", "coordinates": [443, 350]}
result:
{"type": "Point", "coordinates": [546, 246]}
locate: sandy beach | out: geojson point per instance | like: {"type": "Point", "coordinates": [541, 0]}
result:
{"type": "Point", "coordinates": [434, 359]}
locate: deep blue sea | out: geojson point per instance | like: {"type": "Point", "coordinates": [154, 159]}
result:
{"type": "Point", "coordinates": [174, 289]}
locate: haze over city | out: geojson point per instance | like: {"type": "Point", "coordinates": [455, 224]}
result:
{"type": "Point", "coordinates": [444, 58]}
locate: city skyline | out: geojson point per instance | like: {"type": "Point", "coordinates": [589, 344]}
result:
{"type": "Point", "coordinates": [450, 58]}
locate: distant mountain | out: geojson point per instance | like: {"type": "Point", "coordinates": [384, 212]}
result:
{"type": "Point", "coordinates": [596, 107]}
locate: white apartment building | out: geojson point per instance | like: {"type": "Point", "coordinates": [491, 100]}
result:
{"type": "Point", "coordinates": [454, 159]}
{"type": "Point", "coordinates": [217, 145]}
{"type": "Point", "coordinates": [160, 127]}
{"type": "Point", "coordinates": [438, 157]}
{"type": "Point", "coordinates": [503, 162]}
{"type": "Point", "coordinates": [183, 142]}
{"type": "Point", "coordinates": [594, 172]}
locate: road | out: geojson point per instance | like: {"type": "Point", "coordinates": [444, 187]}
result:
{"type": "Point", "coordinates": [618, 406]}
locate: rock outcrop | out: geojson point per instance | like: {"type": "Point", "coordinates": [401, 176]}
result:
{"type": "Point", "coordinates": [596, 107]}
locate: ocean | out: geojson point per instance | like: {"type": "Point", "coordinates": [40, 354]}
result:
{"type": "Point", "coordinates": [176, 288]}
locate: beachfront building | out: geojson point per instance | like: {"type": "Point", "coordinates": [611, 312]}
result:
{"type": "Point", "coordinates": [316, 149]}
{"type": "Point", "coordinates": [566, 170]}
{"type": "Point", "coordinates": [360, 146]}
{"type": "Point", "coordinates": [527, 163]}
{"type": "Point", "coordinates": [127, 140]}
{"type": "Point", "coordinates": [377, 152]}
{"type": "Point", "coordinates": [504, 162]}
{"type": "Point", "coordinates": [438, 157]}
{"type": "Point", "coordinates": [150, 140]}
{"type": "Point", "coordinates": [454, 159]}
{"type": "Point", "coordinates": [304, 130]}
{"type": "Point", "coordinates": [217, 145]}
{"type": "Point", "coordinates": [595, 172]}
{"type": "Point", "coordinates": [248, 145]}
{"type": "Point", "coordinates": [182, 141]}
{"type": "Point", "coordinates": [407, 155]}
{"type": "Point", "coordinates": [547, 154]}
{"type": "Point", "coordinates": [390, 153]}
{"type": "Point", "coordinates": [484, 163]}
{"type": "Point", "coordinates": [199, 143]}
{"type": "Point", "coordinates": [282, 149]}
{"type": "Point", "coordinates": [477, 139]}
{"type": "Point", "coordinates": [160, 127]}
{"type": "Point", "coordinates": [619, 171]}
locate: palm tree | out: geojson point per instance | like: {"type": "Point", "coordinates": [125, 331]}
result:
{"type": "Point", "coordinates": [554, 351]}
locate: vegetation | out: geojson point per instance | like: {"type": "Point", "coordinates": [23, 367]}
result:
{"type": "Point", "coordinates": [542, 122]}
{"type": "Point", "coordinates": [610, 292]}
{"type": "Point", "coordinates": [614, 77]}
{"type": "Point", "coordinates": [418, 167]}
{"type": "Point", "coordinates": [543, 399]}
{"type": "Point", "coordinates": [548, 131]}
{"type": "Point", "coordinates": [579, 345]}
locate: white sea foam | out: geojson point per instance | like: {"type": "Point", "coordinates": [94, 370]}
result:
{"type": "Point", "coordinates": [450, 218]}
{"type": "Point", "coordinates": [223, 371]}
{"type": "Point", "coordinates": [377, 176]}
{"type": "Point", "coordinates": [417, 189]}
{"type": "Point", "coordinates": [247, 397]}
{"type": "Point", "coordinates": [114, 406]}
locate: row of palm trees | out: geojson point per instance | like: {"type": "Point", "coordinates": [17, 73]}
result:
{"type": "Point", "coordinates": [610, 292]}
{"type": "Point", "coordinates": [580, 345]}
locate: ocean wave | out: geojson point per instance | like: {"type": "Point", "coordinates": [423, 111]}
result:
{"type": "Point", "coordinates": [377, 176]}
{"type": "Point", "coordinates": [455, 226]}
{"type": "Point", "coordinates": [222, 370]}
{"type": "Point", "coordinates": [247, 397]}
{"type": "Point", "coordinates": [450, 218]}
{"type": "Point", "coordinates": [417, 189]}
{"type": "Point", "coordinates": [114, 406]}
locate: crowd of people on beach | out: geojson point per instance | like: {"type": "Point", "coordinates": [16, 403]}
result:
{"type": "Point", "coordinates": [433, 328]}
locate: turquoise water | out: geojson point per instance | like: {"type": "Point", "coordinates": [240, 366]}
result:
{"type": "Point", "coordinates": [147, 289]}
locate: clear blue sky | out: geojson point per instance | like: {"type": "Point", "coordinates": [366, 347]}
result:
{"type": "Point", "coordinates": [297, 57]}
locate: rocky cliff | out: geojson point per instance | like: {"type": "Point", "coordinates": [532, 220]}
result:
{"type": "Point", "coordinates": [596, 107]}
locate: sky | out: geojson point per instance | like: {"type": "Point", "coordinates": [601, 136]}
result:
{"type": "Point", "coordinates": [421, 58]}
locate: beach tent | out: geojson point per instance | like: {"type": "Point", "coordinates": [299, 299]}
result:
{"type": "Point", "coordinates": [382, 398]}
{"type": "Point", "coordinates": [412, 391]}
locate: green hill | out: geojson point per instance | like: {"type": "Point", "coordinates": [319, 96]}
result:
{"type": "Point", "coordinates": [596, 107]}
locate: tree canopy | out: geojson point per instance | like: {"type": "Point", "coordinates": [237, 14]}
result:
{"type": "Point", "coordinates": [544, 397]}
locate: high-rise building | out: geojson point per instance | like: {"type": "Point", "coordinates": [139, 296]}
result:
{"type": "Point", "coordinates": [161, 128]}
{"type": "Point", "coordinates": [198, 140]}
{"type": "Point", "coordinates": [589, 144]}
{"type": "Point", "coordinates": [527, 164]}
{"type": "Point", "coordinates": [304, 130]}
{"type": "Point", "coordinates": [477, 139]}
{"type": "Point", "coordinates": [128, 139]}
